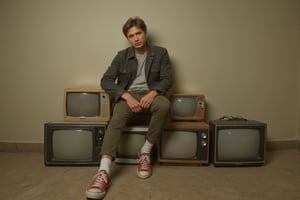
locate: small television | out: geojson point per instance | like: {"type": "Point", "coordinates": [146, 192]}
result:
{"type": "Point", "coordinates": [184, 143]}
{"type": "Point", "coordinates": [73, 143]}
{"type": "Point", "coordinates": [237, 142]}
{"type": "Point", "coordinates": [187, 107]}
{"type": "Point", "coordinates": [132, 140]}
{"type": "Point", "coordinates": [86, 105]}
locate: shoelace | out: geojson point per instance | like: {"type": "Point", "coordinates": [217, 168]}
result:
{"type": "Point", "coordinates": [100, 181]}
{"type": "Point", "coordinates": [144, 163]}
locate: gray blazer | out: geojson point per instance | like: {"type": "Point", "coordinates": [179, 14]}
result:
{"type": "Point", "coordinates": [122, 71]}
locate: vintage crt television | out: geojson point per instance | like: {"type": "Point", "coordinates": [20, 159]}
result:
{"type": "Point", "coordinates": [86, 105]}
{"type": "Point", "coordinates": [132, 140]}
{"type": "Point", "coordinates": [187, 107]}
{"type": "Point", "coordinates": [73, 143]}
{"type": "Point", "coordinates": [184, 143]}
{"type": "Point", "coordinates": [237, 142]}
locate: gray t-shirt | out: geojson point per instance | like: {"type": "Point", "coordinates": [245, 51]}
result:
{"type": "Point", "coordinates": [140, 83]}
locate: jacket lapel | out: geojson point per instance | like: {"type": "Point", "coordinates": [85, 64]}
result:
{"type": "Point", "coordinates": [149, 61]}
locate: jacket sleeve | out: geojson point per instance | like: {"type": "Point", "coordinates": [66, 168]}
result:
{"type": "Point", "coordinates": [108, 80]}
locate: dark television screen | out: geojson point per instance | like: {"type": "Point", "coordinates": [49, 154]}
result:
{"type": "Point", "coordinates": [83, 104]}
{"type": "Point", "coordinates": [72, 144]}
{"type": "Point", "coordinates": [132, 140]}
{"type": "Point", "coordinates": [184, 106]}
{"type": "Point", "coordinates": [188, 144]}
{"type": "Point", "coordinates": [234, 144]}
{"type": "Point", "coordinates": [187, 107]}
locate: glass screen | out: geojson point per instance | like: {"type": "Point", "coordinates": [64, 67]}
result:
{"type": "Point", "coordinates": [184, 106]}
{"type": "Point", "coordinates": [236, 144]}
{"type": "Point", "coordinates": [130, 144]}
{"type": "Point", "coordinates": [179, 144]}
{"type": "Point", "coordinates": [81, 104]}
{"type": "Point", "coordinates": [72, 144]}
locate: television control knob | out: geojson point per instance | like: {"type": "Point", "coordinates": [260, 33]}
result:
{"type": "Point", "coordinates": [203, 143]}
{"type": "Point", "coordinates": [204, 135]}
{"type": "Point", "coordinates": [101, 133]}
{"type": "Point", "coordinates": [201, 103]}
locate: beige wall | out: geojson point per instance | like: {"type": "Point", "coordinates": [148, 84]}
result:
{"type": "Point", "coordinates": [242, 55]}
{"type": "Point", "coordinates": [298, 89]}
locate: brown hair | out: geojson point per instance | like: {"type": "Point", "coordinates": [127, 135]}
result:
{"type": "Point", "coordinates": [134, 21]}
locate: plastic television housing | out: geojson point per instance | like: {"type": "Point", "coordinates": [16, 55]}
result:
{"type": "Point", "coordinates": [73, 143]}
{"type": "Point", "coordinates": [238, 142]}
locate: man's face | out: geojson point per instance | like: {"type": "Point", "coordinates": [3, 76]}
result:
{"type": "Point", "coordinates": [137, 38]}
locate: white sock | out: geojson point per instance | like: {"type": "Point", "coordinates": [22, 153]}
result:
{"type": "Point", "coordinates": [147, 147]}
{"type": "Point", "coordinates": [105, 165]}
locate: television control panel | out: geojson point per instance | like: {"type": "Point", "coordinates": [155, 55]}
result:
{"type": "Point", "coordinates": [99, 137]}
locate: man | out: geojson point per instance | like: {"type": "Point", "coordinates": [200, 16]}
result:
{"type": "Point", "coordinates": [136, 80]}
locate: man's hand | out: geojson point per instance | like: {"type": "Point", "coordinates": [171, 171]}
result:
{"type": "Point", "coordinates": [147, 100]}
{"type": "Point", "coordinates": [144, 103]}
{"type": "Point", "coordinates": [133, 104]}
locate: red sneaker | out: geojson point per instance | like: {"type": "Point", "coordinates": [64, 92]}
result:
{"type": "Point", "coordinates": [144, 166]}
{"type": "Point", "coordinates": [97, 188]}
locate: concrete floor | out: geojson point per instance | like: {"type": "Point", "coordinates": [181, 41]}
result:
{"type": "Point", "coordinates": [24, 176]}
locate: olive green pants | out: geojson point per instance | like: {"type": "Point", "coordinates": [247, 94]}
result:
{"type": "Point", "coordinates": [159, 111]}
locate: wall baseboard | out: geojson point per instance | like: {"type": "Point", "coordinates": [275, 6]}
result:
{"type": "Point", "coordinates": [283, 145]}
{"type": "Point", "coordinates": [15, 147]}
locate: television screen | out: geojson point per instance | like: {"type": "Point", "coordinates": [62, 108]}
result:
{"type": "Point", "coordinates": [83, 104]}
{"type": "Point", "coordinates": [132, 139]}
{"type": "Point", "coordinates": [184, 143]}
{"type": "Point", "coordinates": [91, 105]}
{"type": "Point", "coordinates": [187, 107]}
{"type": "Point", "coordinates": [231, 139]}
{"type": "Point", "coordinates": [188, 143]}
{"type": "Point", "coordinates": [73, 143]}
{"type": "Point", "coordinates": [238, 142]}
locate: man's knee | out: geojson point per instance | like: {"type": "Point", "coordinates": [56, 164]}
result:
{"type": "Point", "coordinates": [162, 104]}
{"type": "Point", "coordinates": [121, 113]}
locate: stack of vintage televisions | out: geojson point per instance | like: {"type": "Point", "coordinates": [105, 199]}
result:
{"type": "Point", "coordinates": [185, 139]}
{"type": "Point", "coordinates": [77, 139]}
